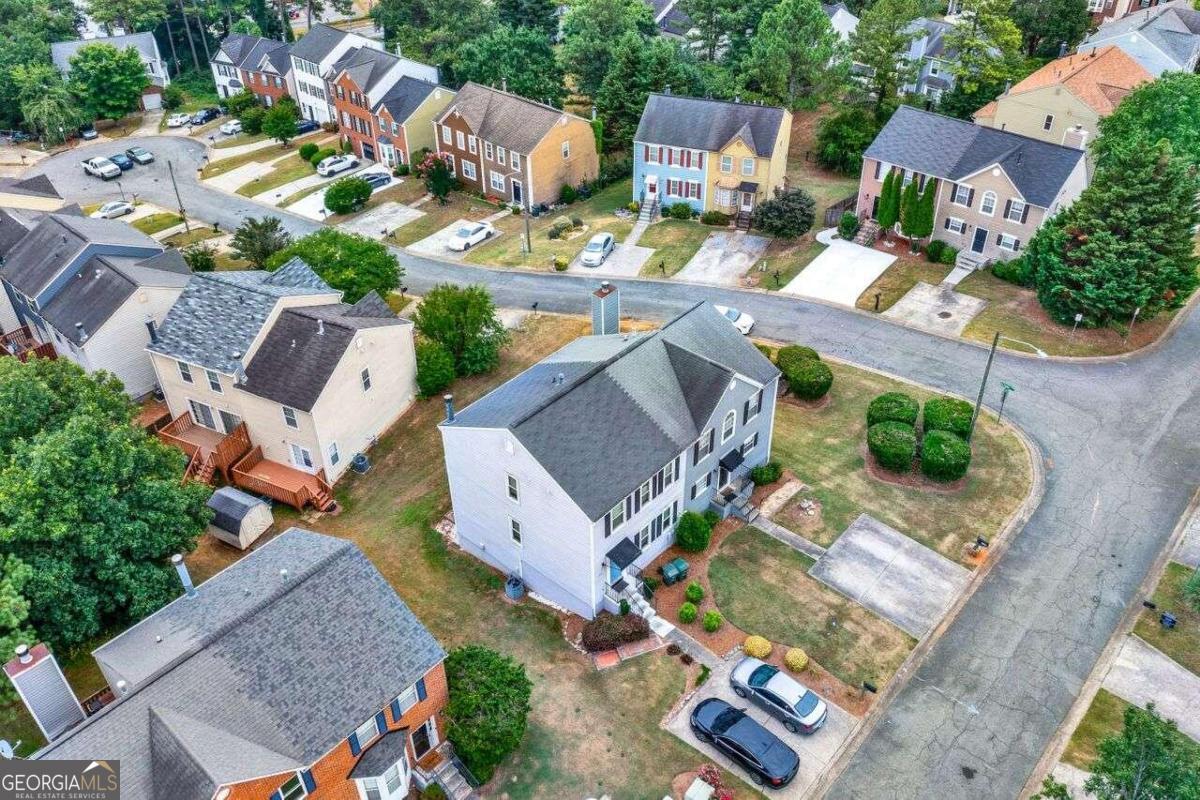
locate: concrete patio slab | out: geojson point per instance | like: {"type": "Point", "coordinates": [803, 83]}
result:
{"type": "Point", "coordinates": [840, 274]}
{"type": "Point", "coordinates": [1073, 778]}
{"type": "Point", "coordinates": [625, 261]}
{"type": "Point", "coordinates": [435, 244]}
{"type": "Point", "coordinates": [898, 578]}
{"type": "Point", "coordinates": [310, 205]}
{"type": "Point", "coordinates": [1143, 674]}
{"type": "Point", "coordinates": [724, 258]}
{"type": "Point", "coordinates": [936, 308]}
{"type": "Point", "coordinates": [816, 751]}
{"type": "Point", "coordinates": [382, 220]}
{"type": "Point", "coordinates": [1189, 549]}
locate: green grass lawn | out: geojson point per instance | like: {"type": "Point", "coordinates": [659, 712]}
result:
{"type": "Point", "coordinates": [1182, 643]}
{"type": "Point", "coordinates": [155, 223]}
{"type": "Point", "coordinates": [286, 171]}
{"type": "Point", "coordinates": [197, 234]}
{"type": "Point", "coordinates": [904, 273]}
{"type": "Point", "coordinates": [437, 216]}
{"type": "Point", "coordinates": [803, 171]}
{"type": "Point", "coordinates": [1104, 718]}
{"type": "Point", "coordinates": [221, 166]}
{"type": "Point", "coordinates": [674, 241]}
{"type": "Point", "coordinates": [788, 259]}
{"type": "Point", "coordinates": [226, 261]}
{"type": "Point", "coordinates": [762, 586]}
{"type": "Point", "coordinates": [239, 140]}
{"type": "Point", "coordinates": [826, 448]}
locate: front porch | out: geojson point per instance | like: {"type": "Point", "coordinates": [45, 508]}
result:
{"type": "Point", "coordinates": [734, 489]}
{"type": "Point", "coordinates": [20, 343]}
{"type": "Point", "coordinates": [625, 582]}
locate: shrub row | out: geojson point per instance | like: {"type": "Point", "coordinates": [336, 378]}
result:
{"type": "Point", "coordinates": [714, 217]}
{"type": "Point", "coordinates": [321, 155]}
{"type": "Point", "coordinates": [940, 252]}
{"type": "Point", "coordinates": [608, 631]}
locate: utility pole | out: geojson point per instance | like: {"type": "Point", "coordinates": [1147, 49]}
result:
{"type": "Point", "coordinates": [188, 30]}
{"type": "Point", "coordinates": [983, 385]}
{"type": "Point", "coordinates": [174, 185]}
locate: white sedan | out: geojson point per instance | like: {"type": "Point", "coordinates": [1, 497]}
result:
{"type": "Point", "coordinates": [743, 322]}
{"type": "Point", "coordinates": [231, 128]}
{"type": "Point", "coordinates": [178, 120]}
{"type": "Point", "coordinates": [470, 234]}
{"type": "Point", "coordinates": [112, 210]}
{"type": "Point", "coordinates": [335, 164]}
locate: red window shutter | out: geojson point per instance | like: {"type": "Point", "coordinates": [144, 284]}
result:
{"type": "Point", "coordinates": [660, 154]}
{"type": "Point", "coordinates": [647, 153]}
{"type": "Point", "coordinates": [687, 158]}
{"type": "Point", "coordinates": [670, 156]}
{"type": "Point", "coordinates": [699, 160]}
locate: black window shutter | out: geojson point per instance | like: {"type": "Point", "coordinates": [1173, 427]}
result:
{"type": "Point", "coordinates": [694, 487]}
{"type": "Point", "coordinates": [878, 169]}
{"type": "Point", "coordinates": [953, 191]}
{"type": "Point", "coordinates": [628, 507]}
{"type": "Point", "coordinates": [355, 749]}
{"type": "Point", "coordinates": [637, 500]}
{"type": "Point", "coordinates": [310, 782]}
{"type": "Point", "coordinates": [1007, 207]}
{"type": "Point", "coordinates": [999, 236]}
{"type": "Point", "coordinates": [696, 453]}
{"type": "Point", "coordinates": [676, 468]}
{"type": "Point", "coordinates": [674, 512]}
{"type": "Point", "coordinates": [1017, 245]}
{"type": "Point", "coordinates": [746, 412]}
{"type": "Point", "coordinates": [396, 710]}
{"type": "Point", "coordinates": [1025, 214]}
{"type": "Point", "coordinates": [607, 525]}
{"type": "Point", "coordinates": [712, 439]}
{"type": "Point", "coordinates": [970, 197]}
{"type": "Point", "coordinates": [421, 693]}
{"type": "Point", "coordinates": [947, 225]}
{"type": "Point", "coordinates": [381, 722]}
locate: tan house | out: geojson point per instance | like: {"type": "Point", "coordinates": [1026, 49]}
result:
{"type": "Point", "coordinates": [1064, 101]}
{"type": "Point", "coordinates": [276, 384]}
{"type": "Point", "coordinates": [513, 148]}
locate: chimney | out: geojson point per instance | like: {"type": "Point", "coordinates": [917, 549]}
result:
{"type": "Point", "coordinates": [239, 372]}
{"type": "Point", "coordinates": [83, 335]}
{"type": "Point", "coordinates": [185, 578]}
{"type": "Point", "coordinates": [40, 683]}
{"type": "Point", "coordinates": [448, 399]}
{"type": "Point", "coordinates": [152, 328]}
{"type": "Point", "coordinates": [1062, 49]}
{"type": "Point", "coordinates": [606, 310]}
{"type": "Point", "coordinates": [1075, 137]}
{"type": "Point", "coordinates": [320, 327]}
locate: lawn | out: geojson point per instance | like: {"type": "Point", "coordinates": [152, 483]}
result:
{"type": "Point", "coordinates": [788, 259]}
{"type": "Point", "coordinates": [197, 234]}
{"type": "Point", "coordinates": [437, 216]}
{"type": "Point", "coordinates": [286, 171]}
{"type": "Point", "coordinates": [762, 586]}
{"type": "Point", "coordinates": [239, 140]}
{"type": "Point", "coordinates": [803, 171]}
{"type": "Point", "coordinates": [226, 261]}
{"type": "Point", "coordinates": [675, 242]}
{"type": "Point", "coordinates": [1104, 718]}
{"type": "Point", "coordinates": [154, 223]}
{"type": "Point", "coordinates": [596, 213]}
{"type": "Point", "coordinates": [1182, 643]}
{"type": "Point", "coordinates": [221, 166]}
{"type": "Point", "coordinates": [902, 275]}
{"type": "Point", "coordinates": [1016, 313]}
{"type": "Point", "coordinates": [826, 448]}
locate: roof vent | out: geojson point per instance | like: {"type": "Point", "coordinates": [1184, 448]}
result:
{"type": "Point", "coordinates": [320, 327]}
{"type": "Point", "coordinates": [79, 329]}
{"type": "Point", "coordinates": [283, 573]}
{"type": "Point", "coordinates": [189, 589]}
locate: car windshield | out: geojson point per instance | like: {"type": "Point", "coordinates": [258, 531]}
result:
{"type": "Point", "coordinates": [726, 720]}
{"type": "Point", "coordinates": [110, 206]}
{"type": "Point", "coordinates": [137, 151]}
{"type": "Point", "coordinates": [806, 704]}
{"type": "Point", "coordinates": [465, 232]}
{"type": "Point", "coordinates": [732, 314]}
{"type": "Point", "coordinates": [595, 245]}
{"type": "Point", "coordinates": [761, 675]}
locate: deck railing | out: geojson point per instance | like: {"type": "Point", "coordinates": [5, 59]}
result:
{"type": "Point", "coordinates": [170, 434]}
{"type": "Point", "coordinates": [242, 477]}
{"type": "Point", "coordinates": [20, 343]}
{"type": "Point", "coordinates": [231, 449]}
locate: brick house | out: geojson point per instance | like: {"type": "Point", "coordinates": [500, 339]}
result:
{"type": "Point", "coordinates": [513, 148]}
{"type": "Point", "coordinates": [405, 119]}
{"type": "Point", "coordinates": [312, 57]}
{"type": "Point", "coordinates": [358, 81]}
{"type": "Point", "coordinates": [297, 672]}
{"type": "Point", "coordinates": [257, 65]}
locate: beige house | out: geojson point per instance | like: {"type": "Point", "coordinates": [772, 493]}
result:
{"type": "Point", "coordinates": [276, 384]}
{"type": "Point", "coordinates": [1064, 101]}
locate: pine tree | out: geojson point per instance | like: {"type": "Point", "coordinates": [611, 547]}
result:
{"type": "Point", "coordinates": [988, 47]}
{"type": "Point", "coordinates": [639, 67]}
{"type": "Point", "coordinates": [795, 55]}
{"type": "Point", "coordinates": [922, 222]}
{"type": "Point", "coordinates": [880, 43]}
{"type": "Point", "coordinates": [888, 213]}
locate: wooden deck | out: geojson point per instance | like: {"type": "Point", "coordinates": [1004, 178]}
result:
{"type": "Point", "coordinates": [153, 415]}
{"type": "Point", "coordinates": [287, 478]}
{"type": "Point", "coordinates": [286, 484]}
{"type": "Point", "coordinates": [207, 450]}
{"type": "Point", "coordinates": [20, 343]}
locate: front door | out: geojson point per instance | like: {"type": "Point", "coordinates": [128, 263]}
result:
{"type": "Point", "coordinates": [977, 244]}
{"type": "Point", "coordinates": [614, 573]}
{"type": "Point", "coordinates": [518, 192]}
{"type": "Point", "coordinates": [301, 457]}
{"type": "Point", "coordinates": [747, 201]}
{"type": "Point", "coordinates": [651, 185]}
{"type": "Point", "coordinates": [722, 477]}
{"type": "Point", "coordinates": [368, 151]}
{"type": "Point", "coordinates": [424, 738]}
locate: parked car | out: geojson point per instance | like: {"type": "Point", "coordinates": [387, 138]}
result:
{"type": "Point", "coordinates": [231, 128]}
{"type": "Point", "coordinates": [743, 322]}
{"type": "Point", "coordinates": [15, 136]}
{"type": "Point", "coordinates": [377, 180]}
{"type": "Point", "coordinates": [178, 120]}
{"type": "Point", "coordinates": [598, 249]}
{"type": "Point", "coordinates": [88, 132]}
{"type": "Point", "coordinates": [140, 154]}
{"type": "Point", "coordinates": [335, 164]}
{"type": "Point", "coordinates": [768, 760]}
{"type": "Point", "coordinates": [783, 697]}
{"type": "Point", "coordinates": [121, 160]}
{"type": "Point", "coordinates": [101, 167]}
{"type": "Point", "coordinates": [113, 209]}
{"type": "Point", "coordinates": [306, 126]}
{"type": "Point", "coordinates": [470, 234]}
{"type": "Point", "coordinates": [205, 115]}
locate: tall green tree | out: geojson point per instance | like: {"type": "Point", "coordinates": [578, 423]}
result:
{"type": "Point", "coordinates": [746, 18]}
{"type": "Point", "coordinates": [639, 67]}
{"type": "Point", "coordinates": [108, 81]}
{"type": "Point", "coordinates": [538, 15]}
{"type": "Point", "coordinates": [433, 31]}
{"type": "Point", "coordinates": [520, 58]}
{"type": "Point", "coordinates": [463, 320]}
{"type": "Point", "coordinates": [14, 612]}
{"type": "Point", "coordinates": [22, 49]}
{"type": "Point", "coordinates": [1047, 24]}
{"type": "Point", "coordinates": [53, 114]}
{"type": "Point", "coordinates": [1166, 108]}
{"type": "Point", "coordinates": [353, 264]}
{"type": "Point", "coordinates": [795, 56]}
{"type": "Point", "coordinates": [280, 123]}
{"type": "Point", "coordinates": [880, 43]}
{"type": "Point", "coordinates": [1148, 760]}
{"type": "Point", "coordinates": [987, 47]}
{"type": "Point", "coordinates": [132, 15]}
{"type": "Point", "coordinates": [713, 21]}
{"type": "Point", "coordinates": [844, 136]}
{"type": "Point", "coordinates": [1125, 244]}
{"type": "Point", "coordinates": [591, 30]}
{"type": "Point", "coordinates": [246, 26]}
{"type": "Point", "coordinates": [920, 222]}
{"type": "Point", "coordinates": [888, 212]}
{"type": "Point", "coordinates": [489, 703]}
{"type": "Point", "coordinates": [256, 240]}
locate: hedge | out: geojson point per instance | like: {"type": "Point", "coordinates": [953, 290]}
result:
{"type": "Point", "coordinates": [810, 380]}
{"type": "Point", "coordinates": [679, 211]}
{"type": "Point", "coordinates": [793, 356]}
{"type": "Point", "coordinates": [693, 532]}
{"type": "Point", "coordinates": [944, 456]}
{"type": "Point", "coordinates": [347, 194]}
{"type": "Point", "coordinates": [766, 473]}
{"type": "Point", "coordinates": [714, 218]}
{"type": "Point", "coordinates": [892, 407]}
{"type": "Point", "coordinates": [321, 155]}
{"type": "Point", "coordinates": [948, 414]}
{"type": "Point", "coordinates": [765, 349]}
{"type": "Point", "coordinates": [893, 444]}
{"type": "Point", "coordinates": [608, 631]}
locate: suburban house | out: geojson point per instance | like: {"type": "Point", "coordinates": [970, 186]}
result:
{"type": "Point", "coordinates": [1104, 10]}
{"type": "Point", "coordinates": [147, 47]}
{"type": "Point", "coordinates": [710, 154]}
{"type": "Point", "coordinates": [358, 83]}
{"type": "Point", "coordinates": [277, 385]}
{"type": "Point", "coordinates": [35, 193]}
{"type": "Point", "coordinates": [1064, 101]}
{"type": "Point", "coordinates": [516, 149]}
{"type": "Point", "coordinates": [572, 475]}
{"type": "Point", "coordinates": [934, 61]}
{"type": "Point", "coordinates": [260, 66]}
{"type": "Point", "coordinates": [673, 22]}
{"type": "Point", "coordinates": [313, 55]}
{"type": "Point", "coordinates": [1161, 39]}
{"type": "Point", "coordinates": [405, 119]}
{"type": "Point", "coordinates": [92, 291]}
{"type": "Point", "coordinates": [296, 672]}
{"type": "Point", "coordinates": [994, 188]}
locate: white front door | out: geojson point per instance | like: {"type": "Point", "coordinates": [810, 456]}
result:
{"type": "Point", "coordinates": [747, 201]}
{"type": "Point", "coordinates": [301, 457]}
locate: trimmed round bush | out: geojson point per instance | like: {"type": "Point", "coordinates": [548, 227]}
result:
{"type": "Point", "coordinates": [796, 660]}
{"type": "Point", "coordinates": [934, 250]}
{"type": "Point", "coordinates": [948, 414]}
{"type": "Point", "coordinates": [308, 150]}
{"type": "Point", "coordinates": [893, 444]}
{"type": "Point", "coordinates": [945, 456]}
{"type": "Point", "coordinates": [679, 211]}
{"type": "Point", "coordinates": [693, 533]}
{"type": "Point", "coordinates": [793, 356]}
{"type": "Point", "coordinates": [714, 218]}
{"type": "Point", "coordinates": [765, 350]}
{"type": "Point", "coordinates": [712, 621]}
{"type": "Point", "coordinates": [756, 647]}
{"type": "Point", "coordinates": [766, 473]}
{"type": "Point", "coordinates": [810, 380]}
{"type": "Point", "coordinates": [694, 592]}
{"type": "Point", "coordinates": [321, 155]}
{"type": "Point", "coordinates": [687, 613]}
{"type": "Point", "coordinates": [892, 407]}
{"type": "Point", "coordinates": [347, 194]}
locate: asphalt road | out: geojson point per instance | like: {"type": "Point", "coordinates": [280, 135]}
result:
{"type": "Point", "coordinates": [1120, 447]}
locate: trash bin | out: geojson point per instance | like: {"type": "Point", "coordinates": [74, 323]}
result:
{"type": "Point", "coordinates": [514, 587]}
{"type": "Point", "coordinates": [674, 571]}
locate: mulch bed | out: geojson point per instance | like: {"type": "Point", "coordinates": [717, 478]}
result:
{"type": "Point", "coordinates": [810, 405]}
{"type": "Point", "coordinates": [914, 479]}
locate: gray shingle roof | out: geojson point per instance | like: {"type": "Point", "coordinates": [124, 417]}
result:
{"type": "Point", "coordinates": [13, 228]}
{"type": "Point", "coordinates": [221, 313]}
{"type": "Point", "coordinates": [34, 186]}
{"type": "Point", "coordinates": [627, 403]}
{"type": "Point", "coordinates": [318, 42]}
{"type": "Point", "coordinates": [506, 119]}
{"type": "Point", "coordinates": [230, 506]}
{"type": "Point", "coordinates": [952, 149]}
{"type": "Point", "coordinates": [1171, 28]}
{"type": "Point", "coordinates": [275, 669]}
{"type": "Point", "coordinates": [382, 754]}
{"type": "Point", "coordinates": [276, 54]}
{"type": "Point", "coordinates": [61, 52]}
{"type": "Point", "coordinates": [702, 124]}
{"type": "Point", "coordinates": [404, 98]}
{"type": "Point", "coordinates": [366, 66]}
{"type": "Point", "coordinates": [237, 45]}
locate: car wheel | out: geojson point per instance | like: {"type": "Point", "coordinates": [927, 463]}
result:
{"type": "Point", "coordinates": [757, 779]}
{"type": "Point", "coordinates": [791, 726]}
{"type": "Point", "coordinates": [702, 736]}
{"type": "Point", "coordinates": [740, 692]}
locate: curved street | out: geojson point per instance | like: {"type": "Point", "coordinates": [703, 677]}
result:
{"type": "Point", "coordinates": [1119, 443]}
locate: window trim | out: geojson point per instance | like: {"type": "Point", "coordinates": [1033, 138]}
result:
{"type": "Point", "coordinates": [954, 195]}
{"type": "Point", "coordinates": [747, 162]}
{"type": "Point", "coordinates": [1008, 237]}
{"type": "Point", "coordinates": [962, 225]}
{"type": "Point", "coordinates": [294, 421]}
{"type": "Point", "coordinates": [728, 426]}
{"type": "Point", "coordinates": [514, 488]}
{"type": "Point", "coordinates": [446, 134]}
{"type": "Point", "coordinates": [185, 372]}
{"type": "Point", "coordinates": [335, 456]}
{"type": "Point", "coordinates": [616, 515]}
{"type": "Point", "coordinates": [214, 381]}
{"type": "Point", "coordinates": [1048, 122]}
{"type": "Point", "coordinates": [1019, 207]}
{"type": "Point", "coordinates": [468, 170]}
{"type": "Point", "coordinates": [566, 149]}
{"type": "Point", "coordinates": [727, 170]}
{"type": "Point", "coordinates": [515, 532]}
{"type": "Point", "coordinates": [362, 743]}
{"type": "Point", "coordinates": [299, 779]}
{"type": "Point", "coordinates": [983, 201]}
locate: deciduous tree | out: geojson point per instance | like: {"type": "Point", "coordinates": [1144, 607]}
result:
{"type": "Point", "coordinates": [439, 180]}
{"type": "Point", "coordinates": [789, 214]}
{"type": "Point", "coordinates": [351, 263]}
{"type": "Point", "coordinates": [256, 240]}
{"type": "Point", "coordinates": [463, 320]}
{"type": "Point", "coordinates": [795, 56]}
{"type": "Point", "coordinates": [1048, 24]}
{"type": "Point", "coordinates": [109, 81]}
{"type": "Point", "coordinates": [520, 58]}
{"type": "Point", "coordinates": [247, 27]}
{"type": "Point", "coordinates": [538, 15]}
{"type": "Point", "coordinates": [489, 703]}
{"type": "Point", "coordinates": [987, 47]}
{"type": "Point", "coordinates": [591, 30]}
{"type": "Point", "coordinates": [843, 137]}
{"type": "Point", "coordinates": [880, 43]}
{"type": "Point", "coordinates": [14, 613]}
{"type": "Point", "coordinates": [53, 115]}
{"type": "Point", "coordinates": [433, 31]}
{"type": "Point", "coordinates": [1148, 760]}
{"type": "Point", "coordinates": [131, 15]}
{"type": "Point", "coordinates": [280, 123]}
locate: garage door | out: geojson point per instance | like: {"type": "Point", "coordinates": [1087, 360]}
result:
{"type": "Point", "coordinates": [152, 101]}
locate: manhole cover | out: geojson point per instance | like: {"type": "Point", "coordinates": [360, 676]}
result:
{"type": "Point", "coordinates": [945, 314]}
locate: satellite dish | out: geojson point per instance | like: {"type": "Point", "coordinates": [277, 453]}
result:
{"type": "Point", "coordinates": [6, 749]}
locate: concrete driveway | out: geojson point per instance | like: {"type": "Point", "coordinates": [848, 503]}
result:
{"type": "Point", "coordinates": [840, 274]}
{"type": "Point", "coordinates": [381, 220]}
{"type": "Point", "coordinates": [1142, 674]}
{"type": "Point", "coordinates": [310, 205]}
{"type": "Point", "coordinates": [625, 261]}
{"type": "Point", "coordinates": [898, 578]}
{"type": "Point", "coordinates": [936, 308]}
{"type": "Point", "coordinates": [815, 751]}
{"type": "Point", "coordinates": [435, 244]}
{"type": "Point", "coordinates": [723, 258]}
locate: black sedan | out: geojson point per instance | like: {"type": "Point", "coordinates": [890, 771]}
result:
{"type": "Point", "coordinates": [769, 761]}
{"type": "Point", "coordinates": [205, 115]}
{"type": "Point", "coordinates": [377, 180]}
{"type": "Point", "coordinates": [121, 160]}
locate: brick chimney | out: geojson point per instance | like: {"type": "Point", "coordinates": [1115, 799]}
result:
{"type": "Point", "coordinates": [606, 310]}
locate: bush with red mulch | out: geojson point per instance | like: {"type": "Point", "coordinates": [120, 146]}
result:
{"type": "Point", "coordinates": [608, 631]}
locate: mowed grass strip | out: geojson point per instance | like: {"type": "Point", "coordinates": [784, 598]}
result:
{"type": "Point", "coordinates": [675, 241]}
{"type": "Point", "coordinates": [286, 171]}
{"type": "Point", "coordinates": [1104, 718]}
{"type": "Point", "coordinates": [896, 281]}
{"type": "Point", "coordinates": [1183, 642]}
{"type": "Point", "coordinates": [154, 223]}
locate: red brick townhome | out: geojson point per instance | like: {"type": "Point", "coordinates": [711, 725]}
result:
{"type": "Point", "coordinates": [260, 66]}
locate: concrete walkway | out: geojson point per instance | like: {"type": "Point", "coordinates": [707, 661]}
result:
{"type": "Point", "coordinates": [790, 538]}
{"type": "Point", "coordinates": [1189, 549]}
{"type": "Point", "coordinates": [1142, 674]}
{"type": "Point", "coordinates": [1073, 778]}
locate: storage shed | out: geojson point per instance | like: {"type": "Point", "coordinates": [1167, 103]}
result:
{"type": "Point", "coordinates": [238, 518]}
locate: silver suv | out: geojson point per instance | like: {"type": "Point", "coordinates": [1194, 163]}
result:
{"type": "Point", "coordinates": [799, 708]}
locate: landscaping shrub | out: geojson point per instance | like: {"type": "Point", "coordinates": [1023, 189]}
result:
{"type": "Point", "coordinates": [765, 350]}
{"type": "Point", "coordinates": [608, 631]}
{"type": "Point", "coordinates": [793, 355]}
{"type": "Point", "coordinates": [949, 254]}
{"type": "Point", "coordinates": [435, 367]}
{"type": "Point", "coordinates": [756, 647]}
{"type": "Point", "coordinates": [715, 217]}
{"type": "Point", "coordinates": [576, 222]}
{"type": "Point", "coordinates": [489, 703]}
{"type": "Point", "coordinates": [172, 97]}
{"type": "Point", "coordinates": [810, 380]}
{"type": "Point", "coordinates": [200, 257]}
{"type": "Point", "coordinates": [705, 672]}
{"type": "Point", "coordinates": [848, 225]}
{"type": "Point", "coordinates": [766, 473]}
{"type": "Point", "coordinates": [796, 659]}
{"type": "Point", "coordinates": [945, 456]}
{"type": "Point", "coordinates": [948, 414]}
{"type": "Point", "coordinates": [711, 517]}
{"type": "Point", "coordinates": [401, 170]}
{"type": "Point", "coordinates": [347, 146]}
{"type": "Point", "coordinates": [933, 250]}
{"type": "Point", "coordinates": [252, 120]}
{"type": "Point", "coordinates": [694, 592]}
{"type": "Point", "coordinates": [568, 194]}
{"type": "Point", "coordinates": [679, 211]}
{"type": "Point", "coordinates": [789, 214]}
{"type": "Point", "coordinates": [893, 444]}
{"type": "Point", "coordinates": [687, 613]}
{"type": "Point", "coordinates": [686, 659]}
{"type": "Point", "coordinates": [308, 150]}
{"type": "Point", "coordinates": [1015, 270]}
{"type": "Point", "coordinates": [347, 194]}
{"type": "Point", "coordinates": [321, 155]}
{"type": "Point", "coordinates": [560, 264]}
{"type": "Point", "coordinates": [693, 533]}
{"type": "Point", "coordinates": [651, 583]}
{"type": "Point", "coordinates": [674, 649]}
{"type": "Point", "coordinates": [712, 621]}
{"type": "Point", "coordinates": [624, 607]}
{"type": "Point", "coordinates": [892, 407]}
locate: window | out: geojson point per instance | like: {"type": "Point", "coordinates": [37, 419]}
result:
{"type": "Point", "coordinates": [1016, 210]}
{"type": "Point", "coordinates": [753, 406]}
{"type": "Point", "coordinates": [514, 489]}
{"type": "Point", "coordinates": [301, 457]}
{"type": "Point", "coordinates": [1095, 6]}
{"type": "Point", "coordinates": [961, 195]}
{"type": "Point", "coordinates": [365, 377]}
{"type": "Point", "coordinates": [907, 177]}
{"type": "Point", "coordinates": [1009, 243]}
{"type": "Point", "coordinates": [515, 161]}
{"type": "Point", "coordinates": [652, 155]}
{"type": "Point", "coordinates": [516, 531]}
{"type": "Point", "coordinates": [185, 372]}
{"type": "Point", "coordinates": [701, 485]}
{"type": "Point", "coordinates": [644, 493]}
{"type": "Point", "coordinates": [1048, 122]}
{"type": "Point", "coordinates": [747, 166]}
{"type": "Point", "coordinates": [616, 516]}
{"type": "Point", "coordinates": [202, 414]}
{"type": "Point", "coordinates": [289, 417]}
{"type": "Point", "coordinates": [501, 154]}
{"type": "Point", "coordinates": [933, 68]}
{"type": "Point", "coordinates": [489, 151]}
{"type": "Point", "coordinates": [473, 144]}
{"type": "Point", "coordinates": [334, 455]}
{"type": "Point", "coordinates": [468, 169]}
{"type": "Point", "coordinates": [214, 380]}
{"type": "Point", "coordinates": [988, 204]}
{"type": "Point", "coordinates": [407, 699]}
{"type": "Point", "coordinates": [955, 225]}
{"type": "Point", "coordinates": [728, 426]}
{"type": "Point", "coordinates": [382, 125]}
{"type": "Point", "coordinates": [566, 150]}
{"type": "Point", "coordinates": [445, 135]}
{"type": "Point", "coordinates": [704, 445]}
{"type": "Point", "coordinates": [345, 120]}
{"type": "Point", "coordinates": [293, 789]}
{"type": "Point", "coordinates": [726, 164]}
{"type": "Point", "coordinates": [749, 444]}
{"type": "Point", "coordinates": [496, 180]}
{"type": "Point", "coordinates": [462, 140]}
{"type": "Point", "coordinates": [366, 732]}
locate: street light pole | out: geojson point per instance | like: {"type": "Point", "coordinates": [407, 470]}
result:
{"type": "Point", "coordinates": [983, 385]}
{"type": "Point", "coordinates": [1005, 388]}
{"type": "Point", "coordinates": [178, 199]}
